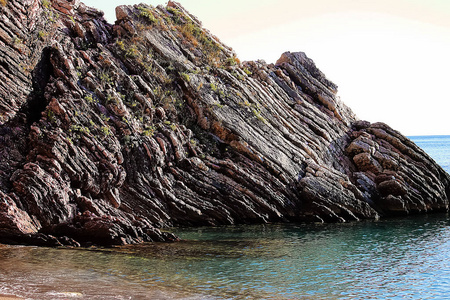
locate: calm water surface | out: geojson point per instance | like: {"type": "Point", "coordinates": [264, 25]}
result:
{"type": "Point", "coordinates": [405, 258]}
{"type": "Point", "coordinates": [391, 259]}
{"type": "Point", "coordinates": [437, 146]}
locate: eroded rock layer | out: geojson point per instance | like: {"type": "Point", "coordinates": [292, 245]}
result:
{"type": "Point", "coordinates": [110, 132]}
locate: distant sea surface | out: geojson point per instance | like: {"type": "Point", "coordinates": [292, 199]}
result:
{"type": "Point", "coordinates": [437, 146]}
{"type": "Point", "coordinates": [401, 258]}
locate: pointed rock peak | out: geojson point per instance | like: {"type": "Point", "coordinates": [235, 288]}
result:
{"type": "Point", "coordinates": [178, 6]}
{"type": "Point", "coordinates": [299, 60]}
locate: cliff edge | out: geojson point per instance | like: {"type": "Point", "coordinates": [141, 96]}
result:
{"type": "Point", "coordinates": [109, 133]}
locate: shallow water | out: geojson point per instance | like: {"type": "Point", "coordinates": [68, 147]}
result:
{"type": "Point", "coordinates": [49, 273]}
{"type": "Point", "coordinates": [390, 259]}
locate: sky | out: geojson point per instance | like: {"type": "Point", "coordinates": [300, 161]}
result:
{"type": "Point", "coordinates": [390, 58]}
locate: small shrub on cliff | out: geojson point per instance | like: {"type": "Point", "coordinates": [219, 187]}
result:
{"type": "Point", "coordinates": [105, 130]}
{"type": "Point", "coordinates": [174, 11]}
{"type": "Point", "coordinates": [16, 40]}
{"type": "Point", "coordinates": [237, 75]}
{"type": "Point", "coordinates": [89, 98]}
{"type": "Point", "coordinates": [105, 77]}
{"type": "Point", "coordinates": [218, 105]}
{"type": "Point", "coordinates": [149, 131]}
{"type": "Point", "coordinates": [42, 35]}
{"type": "Point", "coordinates": [104, 117]}
{"type": "Point", "coordinates": [132, 52]}
{"type": "Point", "coordinates": [51, 116]}
{"type": "Point", "coordinates": [121, 45]}
{"type": "Point", "coordinates": [185, 76]}
{"type": "Point", "coordinates": [79, 128]}
{"type": "Point", "coordinates": [232, 61]}
{"type": "Point", "coordinates": [46, 3]}
{"type": "Point", "coordinates": [175, 14]}
{"type": "Point", "coordinates": [191, 32]}
{"type": "Point", "coordinates": [147, 14]}
{"type": "Point", "coordinates": [179, 103]}
{"type": "Point", "coordinates": [195, 35]}
{"type": "Point", "coordinates": [245, 103]}
{"type": "Point", "coordinates": [257, 113]}
{"type": "Point", "coordinates": [213, 87]}
{"type": "Point", "coordinates": [217, 90]}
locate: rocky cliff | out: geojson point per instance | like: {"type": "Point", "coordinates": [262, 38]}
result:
{"type": "Point", "coordinates": [110, 132]}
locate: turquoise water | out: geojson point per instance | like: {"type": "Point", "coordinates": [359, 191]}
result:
{"type": "Point", "coordinates": [402, 258]}
{"type": "Point", "coordinates": [407, 258]}
{"type": "Point", "coordinates": [392, 259]}
{"type": "Point", "coordinates": [437, 146]}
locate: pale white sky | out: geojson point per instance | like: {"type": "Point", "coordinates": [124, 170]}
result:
{"type": "Point", "coordinates": [390, 58]}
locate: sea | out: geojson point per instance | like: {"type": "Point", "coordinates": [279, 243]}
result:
{"type": "Point", "coordinates": [399, 258]}
{"type": "Point", "coordinates": [437, 146]}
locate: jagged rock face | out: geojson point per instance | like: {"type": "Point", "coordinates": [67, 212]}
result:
{"type": "Point", "coordinates": [109, 132]}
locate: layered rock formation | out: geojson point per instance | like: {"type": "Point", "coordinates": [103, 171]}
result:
{"type": "Point", "coordinates": [110, 132]}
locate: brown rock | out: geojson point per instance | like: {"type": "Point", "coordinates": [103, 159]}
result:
{"type": "Point", "coordinates": [365, 162]}
{"type": "Point", "coordinates": [392, 187]}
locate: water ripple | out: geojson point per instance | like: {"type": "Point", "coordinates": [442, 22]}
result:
{"type": "Point", "coordinates": [392, 259]}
